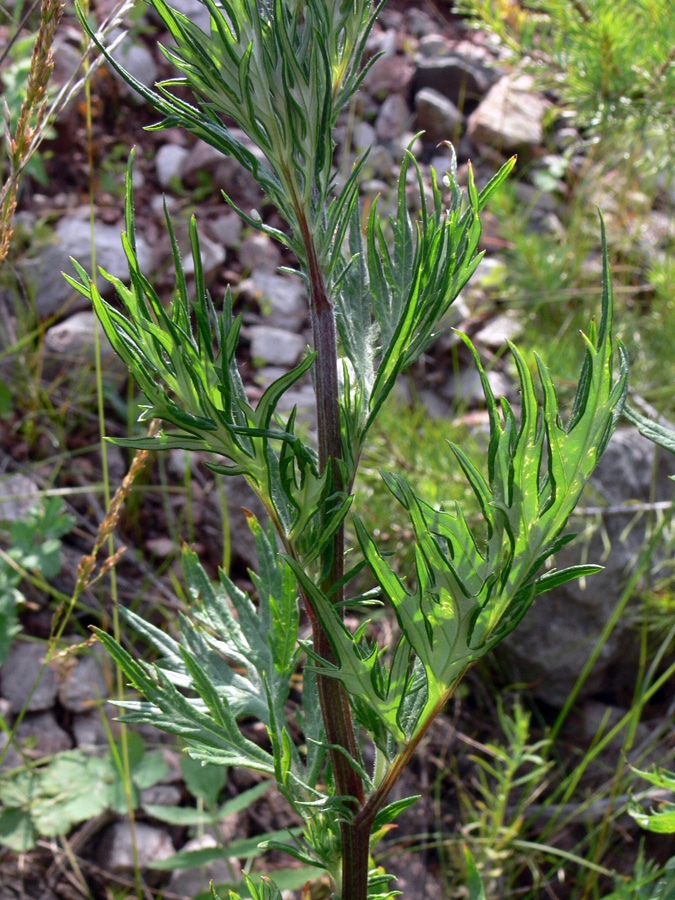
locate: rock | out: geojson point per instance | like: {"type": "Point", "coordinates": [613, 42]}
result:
{"type": "Point", "coordinates": [389, 75]}
{"type": "Point", "coordinates": [115, 851]}
{"type": "Point", "coordinates": [83, 681]}
{"type": "Point", "coordinates": [89, 730]}
{"type": "Point", "coordinates": [259, 252]}
{"type": "Point", "coordinates": [282, 299]}
{"type": "Point", "coordinates": [274, 346]}
{"type": "Point", "coordinates": [364, 136]}
{"type": "Point", "coordinates": [161, 795]}
{"type": "Point", "coordinates": [224, 172]}
{"type": "Point", "coordinates": [74, 340]}
{"type": "Point", "coordinates": [419, 23]}
{"type": "Point", "coordinates": [393, 118]}
{"type": "Point", "coordinates": [226, 229]}
{"type": "Point", "coordinates": [19, 674]}
{"type": "Point", "coordinates": [191, 882]}
{"type": "Point", "coordinates": [196, 11]}
{"type": "Point", "coordinates": [498, 331]}
{"type": "Point", "coordinates": [457, 78]}
{"type": "Point", "coordinates": [139, 62]}
{"type": "Point", "coordinates": [304, 399]}
{"type": "Point", "coordinates": [212, 257]}
{"type": "Point", "coordinates": [12, 758]}
{"type": "Point", "coordinates": [169, 162]}
{"type": "Point", "coordinates": [432, 46]}
{"type": "Point", "coordinates": [437, 116]}
{"type": "Point", "coordinates": [40, 735]}
{"type": "Point", "coordinates": [18, 495]}
{"type": "Point", "coordinates": [510, 117]}
{"type": "Point", "coordinates": [467, 386]}
{"type": "Point", "coordinates": [594, 718]}
{"type": "Point", "coordinates": [561, 629]}
{"type": "Point", "coordinates": [73, 238]}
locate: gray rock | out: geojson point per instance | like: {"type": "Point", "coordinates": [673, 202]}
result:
{"type": "Point", "coordinates": [115, 852]}
{"type": "Point", "coordinates": [226, 229]}
{"type": "Point", "coordinates": [139, 62]}
{"type": "Point", "coordinates": [561, 629]}
{"type": "Point", "coordinates": [389, 75]}
{"type": "Point", "coordinates": [74, 340]}
{"type": "Point", "coordinates": [18, 495]}
{"type": "Point", "coordinates": [212, 257]}
{"type": "Point", "coordinates": [437, 116]}
{"type": "Point", "coordinates": [304, 399]}
{"type": "Point", "coordinates": [89, 731]}
{"type": "Point", "coordinates": [169, 162]}
{"type": "Point", "coordinates": [457, 78]}
{"type": "Point", "coordinates": [12, 757]}
{"type": "Point", "coordinates": [83, 682]}
{"type": "Point", "coordinates": [282, 299]}
{"type": "Point", "coordinates": [467, 386]}
{"type": "Point", "coordinates": [419, 23]}
{"type": "Point", "coordinates": [259, 252]}
{"type": "Point", "coordinates": [161, 795]}
{"type": "Point", "coordinates": [510, 117]}
{"type": "Point", "coordinates": [196, 11]}
{"type": "Point", "coordinates": [381, 163]}
{"type": "Point", "coordinates": [73, 238]}
{"type": "Point", "coordinates": [191, 882]}
{"type": "Point", "coordinates": [224, 172]}
{"type": "Point", "coordinates": [393, 118]}
{"type": "Point", "coordinates": [364, 136]}
{"type": "Point", "coordinates": [19, 674]}
{"type": "Point", "coordinates": [274, 346]}
{"type": "Point", "coordinates": [498, 331]}
{"type": "Point", "coordinates": [432, 46]}
{"type": "Point", "coordinates": [40, 735]}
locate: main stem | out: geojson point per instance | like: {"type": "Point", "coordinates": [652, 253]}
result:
{"type": "Point", "coordinates": [333, 697]}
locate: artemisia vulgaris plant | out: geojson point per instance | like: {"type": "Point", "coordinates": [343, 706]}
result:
{"type": "Point", "coordinates": [282, 70]}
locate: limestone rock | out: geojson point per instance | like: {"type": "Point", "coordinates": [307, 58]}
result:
{"type": "Point", "coordinates": [437, 116]}
{"type": "Point", "coordinates": [20, 673]}
{"type": "Point", "coordinates": [274, 346]}
{"type": "Point", "coordinates": [18, 495]}
{"type": "Point", "coordinates": [41, 735]}
{"type": "Point", "coordinates": [510, 117]}
{"type": "Point", "coordinates": [191, 882]}
{"type": "Point", "coordinates": [459, 79]}
{"type": "Point", "coordinates": [393, 118]}
{"type": "Point", "coordinates": [73, 239]}
{"type": "Point", "coordinates": [74, 340]}
{"type": "Point", "coordinates": [116, 854]}
{"type": "Point", "coordinates": [561, 629]}
{"type": "Point", "coordinates": [83, 682]}
{"type": "Point", "coordinates": [169, 162]}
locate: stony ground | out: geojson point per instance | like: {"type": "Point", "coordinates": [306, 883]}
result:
{"type": "Point", "coordinates": [435, 76]}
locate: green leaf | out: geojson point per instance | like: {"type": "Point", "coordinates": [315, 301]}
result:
{"type": "Point", "coordinates": [248, 848]}
{"type": "Point", "coordinates": [653, 431]}
{"type": "Point", "coordinates": [203, 781]}
{"type": "Point", "coordinates": [475, 884]}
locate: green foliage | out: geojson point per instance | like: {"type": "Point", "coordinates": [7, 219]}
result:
{"type": "Point", "coordinates": [472, 590]}
{"type": "Point", "coordinates": [661, 821]}
{"type": "Point", "coordinates": [609, 62]}
{"type": "Point", "coordinates": [49, 800]}
{"type": "Point", "coordinates": [508, 773]}
{"type": "Point", "coordinates": [282, 70]}
{"type": "Point", "coordinates": [35, 546]}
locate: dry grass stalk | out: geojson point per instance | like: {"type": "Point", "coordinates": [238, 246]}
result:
{"type": "Point", "coordinates": [31, 117]}
{"type": "Point", "coordinates": [109, 523]}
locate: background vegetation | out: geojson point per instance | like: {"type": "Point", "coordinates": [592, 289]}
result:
{"type": "Point", "coordinates": [544, 813]}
